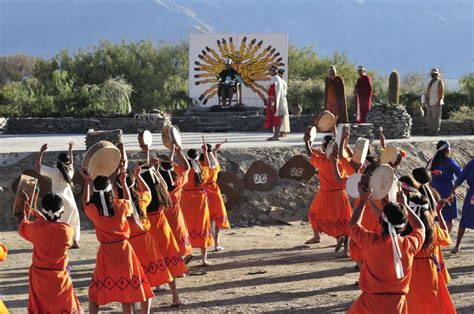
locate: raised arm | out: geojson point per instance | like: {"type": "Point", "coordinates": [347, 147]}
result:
{"type": "Point", "coordinates": [381, 137]}
{"type": "Point", "coordinates": [142, 186]}
{"type": "Point", "coordinates": [204, 151]}
{"type": "Point", "coordinates": [357, 213]}
{"type": "Point", "coordinates": [86, 195]}
{"type": "Point", "coordinates": [39, 157]}
{"type": "Point", "coordinates": [123, 183]}
{"type": "Point", "coordinates": [182, 160]}
{"type": "Point", "coordinates": [413, 219]}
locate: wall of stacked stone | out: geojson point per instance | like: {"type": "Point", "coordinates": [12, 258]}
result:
{"type": "Point", "coordinates": [82, 125]}
{"type": "Point", "coordinates": [394, 119]}
{"type": "Point", "coordinates": [448, 127]}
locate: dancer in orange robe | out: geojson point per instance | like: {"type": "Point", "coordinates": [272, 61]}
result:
{"type": "Point", "coordinates": [160, 228]}
{"type": "Point", "coordinates": [50, 287]}
{"type": "Point", "coordinates": [3, 256]}
{"type": "Point", "coordinates": [176, 176]}
{"type": "Point", "coordinates": [195, 206]}
{"type": "Point", "coordinates": [141, 240]}
{"type": "Point", "coordinates": [330, 210]}
{"type": "Point", "coordinates": [386, 271]}
{"type": "Point", "coordinates": [118, 274]}
{"type": "Point", "coordinates": [426, 282]}
{"type": "Point", "coordinates": [217, 208]}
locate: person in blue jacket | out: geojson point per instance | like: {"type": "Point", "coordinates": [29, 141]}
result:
{"type": "Point", "coordinates": [444, 169]}
{"type": "Point", "coordinates": [467, 218]}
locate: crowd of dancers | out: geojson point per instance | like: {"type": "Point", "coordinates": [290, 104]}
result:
{"type": "Point", "coordinates": [396, 242]}
{"type": "Point", "coordinates": [148, 219]}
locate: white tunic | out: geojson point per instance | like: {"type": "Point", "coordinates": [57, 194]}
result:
{"type": "Point", "coordinates": [285, 123]}
{"type": "Point", "coordinates": [433, 93]}
{"type": "Point", "coordinates": [60, 186]}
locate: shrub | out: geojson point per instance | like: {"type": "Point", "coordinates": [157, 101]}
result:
{"type": "Point", "coordinates": [463, 113]}
{"type": "Point", "coordinates": [307, 93]}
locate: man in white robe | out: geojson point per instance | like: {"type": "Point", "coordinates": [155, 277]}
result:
{"type": "Point", "coordinates": [434, 102]}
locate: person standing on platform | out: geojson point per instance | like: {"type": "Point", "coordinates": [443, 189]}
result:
{"type": "Point", "coordinates": [285, 123]}
{"type": "Point", "coordinates": [363, 95]}
{"type": "Point", "coordinates": [335, 96]}
{"type": "Point", "coordinates": [434, 102]}
{"type": "Point", "coordinates": [274, 114]}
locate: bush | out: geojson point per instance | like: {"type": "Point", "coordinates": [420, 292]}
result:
{"type": "Point", "coordinates": [463, 113]}
{"type": "Point", "coordinates": [307, 93]}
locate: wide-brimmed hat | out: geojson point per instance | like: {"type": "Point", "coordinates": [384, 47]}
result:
{"type": "Point", "coordinates": [326, 121]}
{"type": "Point", "coordinates": [381, 181]}
{"type": "Point", "coordinates": [389, 154]}
{"type": "Point", "coordinates": [352, 185]}
{"type": "Point", "coordinates": [434, 71]}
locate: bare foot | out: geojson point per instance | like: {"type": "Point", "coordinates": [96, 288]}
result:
{"type": "Point", "coordinates": [340, 242]}
{"type": "Point", "coordinates": [205, 263]}
{"type": "Point", "coordinates": [313, 240]}
{"type": "Point", "coordinates": [455, 250]}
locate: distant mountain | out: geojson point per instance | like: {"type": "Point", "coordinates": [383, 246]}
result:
{"type": "Point", "coordinates": [381, 34]}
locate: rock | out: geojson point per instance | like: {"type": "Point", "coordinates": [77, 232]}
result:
{"type": "Point", "coordinates": [394, 119]}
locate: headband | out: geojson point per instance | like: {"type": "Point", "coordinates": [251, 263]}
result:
{"type": "Point", "coordinates": [444, 146]}
{"type": "Point", "coordinates": [408, 188]}
{"type": "Point", "coordinates": [108, 188]}
{"type": "Point", "coordinates": [52, 214]}
{"type": "Point", "coordinates": [397, 254]}
{"type": "Point", "coordinates": [168, 171]}
{"type": "Point", "coordinates": [417, 208]}
{"type": "Point", "coordinates": [130, 186]}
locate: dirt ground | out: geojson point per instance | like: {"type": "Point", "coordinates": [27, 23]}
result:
{"type": "Point", "coordinates": [262, 269]}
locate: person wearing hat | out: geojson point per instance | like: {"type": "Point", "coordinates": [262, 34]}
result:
{"type": "Point", "coordinates": [444, 170]}
{"type": "Point", "coordinates": [142, 241]}
{"type": "Point", "coordinates": [285, 123]}
{"type": "Point", "coordinates": [61, 179]}
{"type": "Point", "coordinates": [275, 104]}
{"type": "Point", "coordinates": [50, 286]}
{"type": "Point", "coordinates": [467, 218]}
{"type": "Point", "coordinates": [363, 95]}
{"type": "Point", "coordinates": [175, 175]}
{"type": "Point", "coordinates": [195, 206]}
{"type": "Point", "coordinates": [385, 274]}
{"type": "Point", "coordinates": [434, 102]}
{"type": "Point", "coordinates": [217, 209]}
{"type": "Point", "coordinates": [330, 210]}
{"type": "Point", "coordinates": [118, 275]}
{"type": "Point", "coordinates": [335, 95]}
{"type": "Point", "coordinates": [228, 83]}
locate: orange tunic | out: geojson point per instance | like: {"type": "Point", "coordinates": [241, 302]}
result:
{"type": "Point", "coordinates": [216, 203]}
{"type": "Point", "coordinates": [174, 215]}
{"type": "Point", "coordinates": [48, 278]}
{"type": "Point", "coordinates": [371, 223]}
{"type": "Point", "coordinates": [147, 252]}
{"type": "Point", "coordinates": [166, 243]}
{"type": "Point", "coordinates": [330, 210]}
{"type": "Point", "coordinates": [425, 281]}
{"type": "Point", "coordinates": [118, 274]}
{"type": "Point", "coordinates": [382, 291]}
{"type": "Point", "coordinates": [196, 211]}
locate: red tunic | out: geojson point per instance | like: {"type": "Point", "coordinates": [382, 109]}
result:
{"type": "Point", "coordinates": [270, 119]}
{"type": "Point", "coordinates": [364, 97]}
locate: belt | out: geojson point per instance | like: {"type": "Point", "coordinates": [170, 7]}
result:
{"type": "Point", "coordinates": [139, 234]}
{"type": "Point", "coordinates": [113, 242]}
{"type": "Point", "coordinates": [45, 268]}
{"type": "Point", "coordinates": [191, 190]}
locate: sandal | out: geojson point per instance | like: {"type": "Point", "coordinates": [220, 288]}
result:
{"type": "Point", "coordinates": [313, 241]}
{"type": "Point", "coordinates": [177, 304]}
{"type": "Point", "coordinates": [187, 259]}
{"type": "Point", "coordinates": [218, 248]}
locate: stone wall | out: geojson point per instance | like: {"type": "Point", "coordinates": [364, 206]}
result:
{"type": "Point", "coordinates": [394, 119]}
{"type": "Point", "coordinates": [448, 127]}
{"type": "Point", "coordinates": [132, 125]}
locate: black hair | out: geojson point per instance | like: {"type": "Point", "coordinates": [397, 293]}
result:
{"type": "Point", "coordinates": [63, 164]}
{"type": "Point", "coordinates": [421, 175]}
{"type": "Point", "coordinates": [133, 194]}
{"type": "Point", "coordinates": [192, 155]}
{"type": "Point", "coordinates": [52, 202]}
{"type": "Point", "coordinates": [327, 139]}
{"type": "Point", "coordinates": [159, 193]}
{"type": "Point", "coordinates": [396, 214]}
{"type": "Point", "coordinates": [426, 218]}
{"type": "Point", "coordinates": [440, 154]}
{"type": "Point", "coordinates": [101, 183]}
{"type": "Point", "coordinates": [166, 166]}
